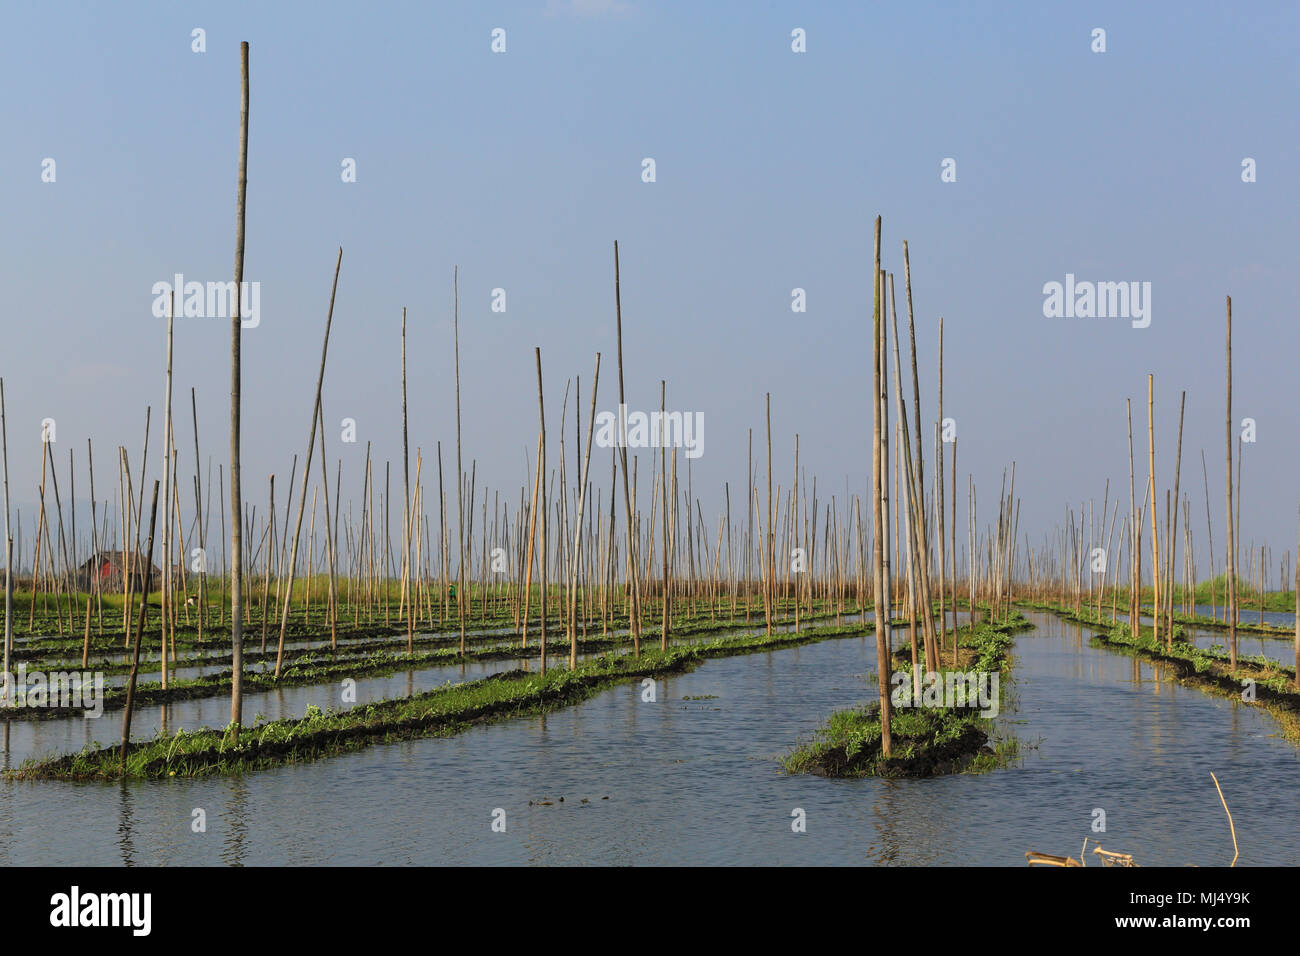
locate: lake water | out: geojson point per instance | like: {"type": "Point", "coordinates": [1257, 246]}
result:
{"type": "Point", "coordinates": [694, 778]}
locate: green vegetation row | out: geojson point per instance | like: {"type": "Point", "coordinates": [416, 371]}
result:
{"type": "Point", "coordinates": [1206, 669]}
{"type": "Point", "coordinates": [927, 741]}
{"type": "Point", "coordinates": [441, 712]}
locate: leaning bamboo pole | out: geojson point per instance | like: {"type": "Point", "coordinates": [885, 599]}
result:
{"type": "Point", "coordinates": [922, 533]}
{"type": "Point", "coordinates": [198, 500]}
{"type": "Point", "coordinates": [144, 607]}
{"type": "Point", "coordinates": [306, 471]}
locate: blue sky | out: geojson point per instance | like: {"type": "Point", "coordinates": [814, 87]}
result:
{"type": "Point", "coordinates": [522, 168]}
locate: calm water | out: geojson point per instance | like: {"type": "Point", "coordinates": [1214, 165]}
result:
{"type": "Point", "coordinates": [697, 781]}
{"type": "Point", "coordinates": [1281, 650]}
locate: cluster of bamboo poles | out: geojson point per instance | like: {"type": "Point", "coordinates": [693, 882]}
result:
{"type": "Point", "coordinates": [924, 527]}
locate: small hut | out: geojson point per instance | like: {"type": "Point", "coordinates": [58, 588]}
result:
{"type": "Point", "coordinates": [109, 569]}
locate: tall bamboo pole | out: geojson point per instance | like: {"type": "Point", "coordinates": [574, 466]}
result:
{"type": "Point", "coordinates": [883, 663]}
{"type": "Point", "coordinates": [9, 547]}
{"type": "Point", "coordinates": [1173, 531]}
{"type": "Point", "coordinates": [461, 596]}
{"type": "Point", "coordinates": [1232, 531]}
{"type": "Point", "coordinates": [577, 531]}
{"type": "Point", "coordinates": [167, 488]}
{"type": "Point", "coordinates": [236, 526]}
{"type": "Point", "coordinates": [406, 505]}
{"type": "Point", "coordinates": [541, 470]}
{"type": "Point", "coordinates": [635, 610]}
{"type": "Point", "coordinates": [663, 474]}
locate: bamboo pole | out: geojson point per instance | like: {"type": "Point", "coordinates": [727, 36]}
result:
{"type": "Point", "coordinates": [771, 530]}
{"type": "Point", "coordinates": [663, 484]}
{"type": "Point", "coordinates": [406, 504]}
{"type": "Point", "coordinates": [144, 607]}
{"type": "Point", "coordinates": [306, 470]}
{"type": "Point", "coordinates": [165, 605]}
{"type": "Point", "coordinates": [883, 662]}
{"type": "Point", "coordinates": [461, 596]}
{"type": "Point", "coordinates": [577, 532]}
{"type": "Point", "coordinates": [1232, 531]}
{"type": "Point", "coordinates": [236, 529]}
{"type": "Point", "coordinates": [541, 471]}
{"type": "Point", "coordinates": [9, 552]}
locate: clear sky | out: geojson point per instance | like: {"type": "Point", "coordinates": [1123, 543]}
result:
{"type": "Point", "coordinates": [522, 168]}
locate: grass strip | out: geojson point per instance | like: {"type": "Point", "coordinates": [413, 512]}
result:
{"type": "Point", "coordinates": [927, 741]}
{"type": "Point", "coordinates": [441, 712]}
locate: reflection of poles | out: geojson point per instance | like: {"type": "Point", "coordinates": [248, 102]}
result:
{"type": "Point", "coordinates": [125, 827]}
